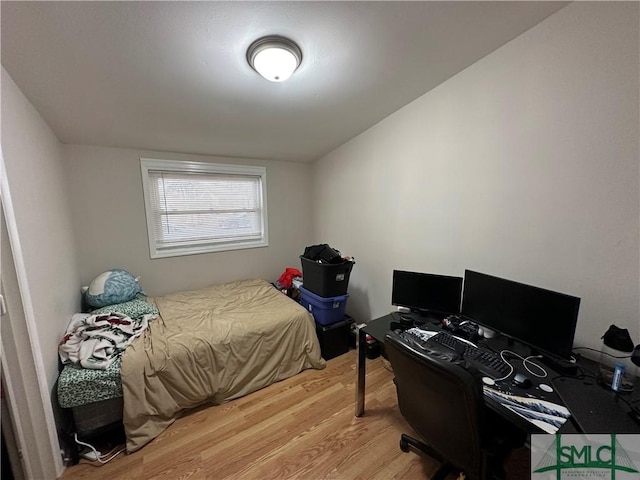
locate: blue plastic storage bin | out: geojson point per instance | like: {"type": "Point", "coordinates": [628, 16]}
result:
{"type": "Point", "coordinates": [325, 310]}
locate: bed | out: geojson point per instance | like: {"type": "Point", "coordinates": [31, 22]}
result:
{"type": "Point", "coordinates": [210, 346]}
{"type": "Point", "coordinates": [94, 396]}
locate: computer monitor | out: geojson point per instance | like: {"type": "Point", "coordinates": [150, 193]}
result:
{"type": "Point", "coordinates": [426, 292]}
{"type": "Point", "coordinates": [543, 319]}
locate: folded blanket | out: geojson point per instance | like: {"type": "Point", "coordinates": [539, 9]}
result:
{"type": "Point", "coordinates": [95, 341]}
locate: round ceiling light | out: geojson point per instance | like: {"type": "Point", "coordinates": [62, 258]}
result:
{"type": "Point", "coordinates": [274, 57]}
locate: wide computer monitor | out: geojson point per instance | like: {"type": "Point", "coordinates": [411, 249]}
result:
{"type": "Point", "coordinates": [543, 319]}
{"type": "Point", "coordinates": [426, 292]}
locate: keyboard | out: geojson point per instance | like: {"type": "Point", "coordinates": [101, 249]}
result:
{"type": "Point", "coordinates": [486, 361]}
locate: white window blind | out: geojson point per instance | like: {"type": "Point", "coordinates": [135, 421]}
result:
{"type": "Point", "coordinates": [201, 207]}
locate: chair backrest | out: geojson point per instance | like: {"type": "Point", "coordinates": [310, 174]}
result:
{"type": "Point", "coordinates": [441, 401]}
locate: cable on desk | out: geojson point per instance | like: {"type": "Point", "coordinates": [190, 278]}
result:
{"type": "Point", "coordinates": [581, 376]}
{"type": "Point", "coordinates": [544, 373]}
{"type": "Point", "coordinates": [599, 351]}
{"type": "Point", "coordinates": [525, 362]}
{"type": "Point", "coordinates": [584, 371]}
{"type": "Point", "coordinates": [511, 369]}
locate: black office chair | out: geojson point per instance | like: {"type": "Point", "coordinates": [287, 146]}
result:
{"type": "Point", "coordinates": [443, 403]}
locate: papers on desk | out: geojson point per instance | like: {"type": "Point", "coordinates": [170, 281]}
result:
{"type": "Point", "coordinates": [421, 334]}
{"type": "Point", "coordinates": [545, 415]}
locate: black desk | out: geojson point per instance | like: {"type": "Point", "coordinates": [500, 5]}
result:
{"type": "Point", "coordinates": [379, 327]}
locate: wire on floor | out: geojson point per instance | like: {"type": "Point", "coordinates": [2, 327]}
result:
{"type": "Point", "coordinates": [93, 455]}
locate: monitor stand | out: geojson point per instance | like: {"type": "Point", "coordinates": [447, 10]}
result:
{"type": "Point", "coordinates": [561, 366]}
{"type": "Point", "coordinates": [500, 342]}
{"type": "Point", "coordinates": [430, 318]}
{"type": "Point", "coordinates": [564, 367]}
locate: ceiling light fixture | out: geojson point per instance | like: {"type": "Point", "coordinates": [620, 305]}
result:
{"type": "Point", "coordinates": [274, 57]}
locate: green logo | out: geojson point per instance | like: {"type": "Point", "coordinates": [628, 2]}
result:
{"type": "Point", "coordinates": [586, 457]}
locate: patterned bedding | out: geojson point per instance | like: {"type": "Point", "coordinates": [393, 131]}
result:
{"type": "Point", "coordinates": [79, 386]}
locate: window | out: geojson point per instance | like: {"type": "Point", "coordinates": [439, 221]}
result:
{"type": "Point", "coordinates": [196, 207]}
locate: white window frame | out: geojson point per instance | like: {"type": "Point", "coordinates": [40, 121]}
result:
{"type": "Point", "coordinates": [150, 164]}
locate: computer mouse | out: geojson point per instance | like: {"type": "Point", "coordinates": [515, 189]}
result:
{"type": "Point", "coordinates": [521, 380]}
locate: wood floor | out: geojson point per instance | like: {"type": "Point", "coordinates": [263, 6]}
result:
{"type": "Point", "coordinates": [301, 428]}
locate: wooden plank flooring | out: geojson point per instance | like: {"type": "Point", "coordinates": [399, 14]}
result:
{"type": "Point", "coordinates": [301, 428]}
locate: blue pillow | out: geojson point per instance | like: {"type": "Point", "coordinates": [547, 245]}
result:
{"type": "Point", "coordinates": [111, 287]}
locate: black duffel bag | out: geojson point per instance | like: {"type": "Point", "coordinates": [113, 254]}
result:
{"type": "Point", "coordinates": [323, 253]}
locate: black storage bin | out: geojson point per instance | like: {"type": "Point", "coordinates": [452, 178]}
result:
{"type": "Point", "coordinates": [334, 338]}
{"type": "Point", "coordinates": [326, 279]}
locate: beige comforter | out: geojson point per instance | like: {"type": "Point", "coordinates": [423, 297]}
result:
{"type": "Point", "coordinates": [212, 345]}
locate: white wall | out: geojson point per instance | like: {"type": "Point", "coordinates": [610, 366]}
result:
{"type": "Point", "coordinates": [44, 294]}
{"type": "Point", "coordinates": [111, 232]}
{"type": "Point", "coordinates": [41, 207]}
{"type": "Point", "coordinates": [525, 165]}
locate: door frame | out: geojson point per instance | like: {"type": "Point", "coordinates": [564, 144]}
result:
{"type": "Point", "coordinates": [24, 373]}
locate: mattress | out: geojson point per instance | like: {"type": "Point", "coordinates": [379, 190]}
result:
{"type": "Point", "coordinates": [91, 416]}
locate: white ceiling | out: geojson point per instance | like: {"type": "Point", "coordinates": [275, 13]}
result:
{"type": "Point", "coordinates": [172, 76]}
